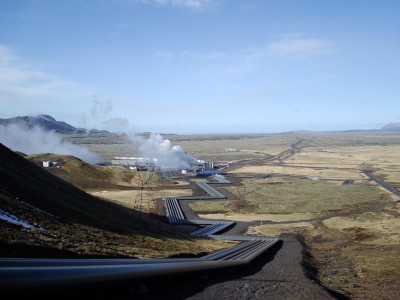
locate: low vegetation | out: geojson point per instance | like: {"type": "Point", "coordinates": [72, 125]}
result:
{"type": "Point", "coordinates": [357, 255]}
{"type": "Point", "coordinates": [72, 223]}
{"type": "Point", "coordinates": [92, 177]}
{"type": "Point", "coordinates": [280, 195]}
{"type": "Point", "coordinates": [351, 231]}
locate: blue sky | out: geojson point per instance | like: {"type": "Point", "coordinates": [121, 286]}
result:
{"type": "Point", "coordinates": [202, 66]}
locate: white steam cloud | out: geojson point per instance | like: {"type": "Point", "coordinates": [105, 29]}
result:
{"type": "Point", "coordinates": [36, 140]}
{"type": "Point", "coordinates": [99, 117]}
{"type": "Point", "coordinates": [166, 156]}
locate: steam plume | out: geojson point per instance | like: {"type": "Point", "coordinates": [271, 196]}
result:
{"type": "Point", "coordinates": [36, 140]}
{"type": "Point", "coordinates": [99, 117]}
{"type": "Point", "coordinates": [167, 157]}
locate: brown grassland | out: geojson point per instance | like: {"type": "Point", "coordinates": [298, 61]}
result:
{"type": "Point", "coordinates": [351, 230]}
{"type": "Point", "coordinates": [72, 223]}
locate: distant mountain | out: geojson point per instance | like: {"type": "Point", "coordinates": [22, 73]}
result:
{"type": "Point", "coordinates": [47, 123]}
{"type": "Point", "coordinates": [391, 127]}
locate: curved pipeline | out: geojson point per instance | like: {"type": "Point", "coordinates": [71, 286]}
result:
{"type": "Point", "coordinates": [24, 275]}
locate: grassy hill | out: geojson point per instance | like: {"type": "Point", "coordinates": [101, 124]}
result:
{"type": "Point", "coordinates": [91, 177]}
{"type": "Point", "coordinates": [82, 174]}
{"type": "Point", "coordinates": [75, 223]}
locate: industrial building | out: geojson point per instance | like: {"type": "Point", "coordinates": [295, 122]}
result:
{"type": "Point", "coordinates": [198, 168]}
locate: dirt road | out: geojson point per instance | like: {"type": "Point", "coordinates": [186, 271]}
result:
{"type": "Point", "coordinates": [281, 273]}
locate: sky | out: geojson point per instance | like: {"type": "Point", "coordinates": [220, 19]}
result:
{"type": "Point", "coordinates": [202, 66]}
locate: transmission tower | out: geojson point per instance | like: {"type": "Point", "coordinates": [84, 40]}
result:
{"type": "Point", "coordinates": [144, 200]}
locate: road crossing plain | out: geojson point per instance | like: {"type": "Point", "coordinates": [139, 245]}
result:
{"type": "Point", "coordinates": [347, 247]}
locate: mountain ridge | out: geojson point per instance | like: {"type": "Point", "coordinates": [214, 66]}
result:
{"type": "Point", "coordinates": [47, 123]}
{"type": "Point", "coordinates": [391, 127]}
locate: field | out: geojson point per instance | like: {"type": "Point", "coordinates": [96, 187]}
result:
{"type": "Point", "coordinates": [306, 183]}
{"type": "Point", "coordinates": [136, 198]}
{"type": "Point", "coordinates": [295, 199]}
{"type": "Point", "coordinates": [206, 147]}
{"type": "Point", "coordinates": [351, 230]}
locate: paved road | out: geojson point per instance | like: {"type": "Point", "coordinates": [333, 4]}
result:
{"type": "Point", "coordinates": [380, 182]}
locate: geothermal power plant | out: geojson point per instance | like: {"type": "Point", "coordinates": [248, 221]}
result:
{"type": "Point", "coordinates": [158, 155]}
{"type": "Point", "coordinates": [167, 168]}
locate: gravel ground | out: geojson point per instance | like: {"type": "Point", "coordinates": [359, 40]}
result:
{"type": "Point", "coordinates": [278, 274]}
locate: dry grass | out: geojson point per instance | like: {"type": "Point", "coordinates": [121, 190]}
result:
{"type": "Point", "coordinates": [249, 146]}
{"type": "Point", "coordinates": [383, 158]}
{"type": "Point", "coordinates": [307, 171]}
{"type": "Point", "coordinates": [206, 147]}
{"type": "Point", "coordinates": [250, 217]}
{"type": "Point", "coordinates": [356, 253]}
{"type": "Point", "coordinates": [131, 197]}
{"type": "Point", "coordinates": [293, 196]}
{"type": "Point", "coordinates": [357, 250]}
{"type": "Point", "coordinates": [276, 230]}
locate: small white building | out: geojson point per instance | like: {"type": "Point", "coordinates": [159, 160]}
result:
{"type": "Point", "coordinates": [231, 150]}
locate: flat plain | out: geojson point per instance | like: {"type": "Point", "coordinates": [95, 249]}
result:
{"type": "Point", "coordinates": [351, 230]}
{"type": "Point", "coordinates": [310, 184]}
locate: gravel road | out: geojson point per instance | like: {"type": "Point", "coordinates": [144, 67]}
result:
{"type": "Point", "coordinates": [278, 274]}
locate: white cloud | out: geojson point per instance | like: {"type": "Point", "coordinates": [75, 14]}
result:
{"type": "Point", "coordinates": [165, 55]}
{"type": "Point", "coordinates": [213, 56]}
{"type": "Point", "coordinates": [224, 65]}
{"type": "Point", "coordinates": [217, 65]}
{"type": "Point", "coordinates": [21, 81]}
{"type": "Point", "coordinates": [192, 4]}
{"type": "Point", "coordinates": [245, 57]}
{"type": "Point", "coordinates": [294, 48]}
{"type": "Point", "coordinates": [299, 48]}
{"type": "Point", "coordinates": [189, 4]}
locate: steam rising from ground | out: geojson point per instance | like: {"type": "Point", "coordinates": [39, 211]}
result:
{"type": "Point", "coordinates": [36, 140]}
{"type": "Point", "coordinates": [167, 157]}
{"type": "Point", "coordinates": [99, 117]}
